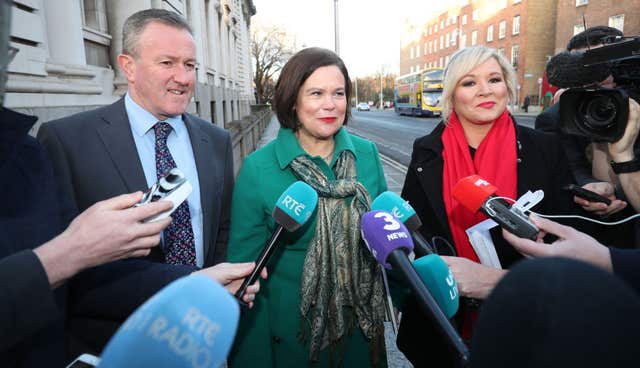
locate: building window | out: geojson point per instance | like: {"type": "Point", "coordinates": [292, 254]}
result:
{"type": "Point", "coordinates": [578, 28]}
{"type": "Point", "coordinates": [582, 2]}
{"type": "Point", "coordinates": [417, 51]}
{"type": "Point", "coordinates": [441, 62]}
{"type": "Point", "coordinates": [463, 41]}
{"type": "Point", "coordinates": [490, 33]}
{"type": "Point", "coordinates": [442, 24]}
{"type": "Point", "coordinates": [435, 45]}
{"type": "Point", "coordinates": [97, 41]}
{"type": "Point", "coordinates": [454, 19]}
{"type": "Point", "coordinates": [441, 42]}
{"type": "Point", "coordinates": [617, 21]}
{"type": "Point", "coordinates": [430, 44]}
{"type": "Point", "coordinates": [474, 14]}
{"type": "Point", "coordinates": [454, 34]}
{"type": "Point", "coordinates": [446, 23]}
{"type": "Point", "coordinates": [435, 28]}
{"type": "Point", "coordinates": [502, 29]}
{"type": "Point", "coordinates": [429, 30]}
{"type": "Point", "coordinates": [446, 40]}
{"type": "Point", "coordinates": [411, 70]}
{"type": "Point", "coordinates": [474, 38]}
{"type": "Point", "coordinates": [514, 56]}
{"type": "Point", "coordinates": [516, 25]}
{"type": "Point", "coordinates": [464, 19]}
{"type": "Point", "coordinates": [425, 48]}
{"type": "Point", "coordinates": [411, 52]}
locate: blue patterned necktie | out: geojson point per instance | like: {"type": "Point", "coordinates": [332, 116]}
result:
{"type": "Point", "coordinates": [178, 236]}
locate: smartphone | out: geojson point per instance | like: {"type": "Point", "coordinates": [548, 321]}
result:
{"type": "Point", "coordinates": [173, 187]}
{"type": "Point", "coordinates": [85, 361]}
{"type": "Point", "coordinates": [587, 194]}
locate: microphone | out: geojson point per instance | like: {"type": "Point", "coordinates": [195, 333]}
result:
{"type": "Point", "coordinates": [437, 277]}
{"type": "Point", "coordinates": [292, 210]}
{"type": "Point", "coordinates": [390, 242]}
{"type": "Point", "coordinates": [189, 323]}
{"type": "Point", "coordinates": [568, 69]}
{"type": "Point", "coordinates": [475, 193]}
{"type": "Point", "coordinates": [402, 210]}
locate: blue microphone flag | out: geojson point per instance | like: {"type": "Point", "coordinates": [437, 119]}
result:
{"type": "Point", "coordinates": [394, 204]}
{"type": "Point", "coordinates": [189, 323]}
{"type": "Point", "coordinates": [437, 277]}
{"type": "Point", "coordinates": [295, 206]}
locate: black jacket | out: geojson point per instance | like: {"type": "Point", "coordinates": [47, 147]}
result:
{"type": "Point", "coordinates": [541, 165]}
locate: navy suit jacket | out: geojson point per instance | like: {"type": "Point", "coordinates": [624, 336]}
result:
{"type": "Point", "coordinates": [95, 158]}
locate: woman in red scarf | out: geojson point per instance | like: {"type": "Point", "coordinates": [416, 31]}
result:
{"type": "Point", "coordinates": [477, 136]}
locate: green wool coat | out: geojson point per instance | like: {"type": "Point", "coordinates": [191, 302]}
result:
{"type": "Point", "coordinates": [268, 333]}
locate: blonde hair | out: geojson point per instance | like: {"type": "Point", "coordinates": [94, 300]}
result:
{"type": "Point", "coordinates": [465, 60]}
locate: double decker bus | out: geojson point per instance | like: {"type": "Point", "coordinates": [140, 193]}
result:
{"type": "Point", "coordinates": [419, 93]}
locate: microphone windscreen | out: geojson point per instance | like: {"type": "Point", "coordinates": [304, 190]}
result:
{"type": "Point", "coordinates": [556, 312]}
{"type": "Point", "coordinates": [295, 206]}
{"type": "Point", "coordinates": [189, 323]}
{"type": "Point", "coordinates": [472, 191]}
{"type": "Point", "coordinates": [398, 207]}
{"type": "Point", "coordinates": [567, 69]}
{"type": "Point", "coordinates": [437, 277]}
{"type": "Point", "coordinates": [383, 233]}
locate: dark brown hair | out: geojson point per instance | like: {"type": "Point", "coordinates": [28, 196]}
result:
{"type": "Point", "coordinates": [295, 73]}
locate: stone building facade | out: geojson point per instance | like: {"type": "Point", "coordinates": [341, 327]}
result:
{"type": "Point", "coordinates": [68, 52]}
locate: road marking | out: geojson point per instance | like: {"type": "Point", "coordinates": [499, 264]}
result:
{"type": "Point", "coordinates": [393, 163]}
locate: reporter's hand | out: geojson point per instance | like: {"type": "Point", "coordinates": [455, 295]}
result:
{"type": "Point", "coordinates": [622, 150]}
{"type": "Point", "coordinates": [474, 280]}
{"type": "Point", "coordinates": [231, 276]}
{"type": "Point", "coordinates": [571, 243]}
{"type": "Point", "coordinates": [107, 231]}
{"type": "Point", "coordinates": [607, 190]}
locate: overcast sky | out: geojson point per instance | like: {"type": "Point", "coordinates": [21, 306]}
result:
{"type": "Point", "coordinates": [369, 29]}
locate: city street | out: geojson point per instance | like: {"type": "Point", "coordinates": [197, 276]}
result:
{"type": "Point", "coordinates": [394, 134]}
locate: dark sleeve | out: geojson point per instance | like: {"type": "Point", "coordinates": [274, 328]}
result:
{"type": "Point", "coordinates": [27, 301]}
{"type": "Point", "coordinates": [48, 137]}
{"type": "Point", "coordinates": [114, 290]}
{"type": "Point", "coordinates": [225, 211]}
{"type": "Point", "coordinates": [626, 265]}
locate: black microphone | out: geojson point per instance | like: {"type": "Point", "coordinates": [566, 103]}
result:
{"type": "Point", "coordinates": [389, 242]}
{"type": "Point", "coordinates": [292, 210]}
{"type": "Point", "coordinates": [567, 69]}
{"type": "Point", "coordinates": [402, 210]}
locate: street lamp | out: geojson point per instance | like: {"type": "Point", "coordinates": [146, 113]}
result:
{"type": "Point", "coordinates": [381, 102]}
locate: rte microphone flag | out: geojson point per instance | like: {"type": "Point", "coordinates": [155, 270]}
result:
{"type": "Point", "coordinates": [402, 210]}
{"type": "Point", "coordinates": [189, 323]}
{"type": "Point", "coordinates": [292, 210]}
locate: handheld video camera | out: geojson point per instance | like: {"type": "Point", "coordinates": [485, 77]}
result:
{"type": "Point", "coordinates": [598, 113]}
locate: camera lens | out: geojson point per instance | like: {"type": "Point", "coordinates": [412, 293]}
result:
{"type": "Point", "coordinates": [599, 112]}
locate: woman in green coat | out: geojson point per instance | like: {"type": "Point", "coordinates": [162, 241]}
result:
{"type": "Point", "coordinates": [323, 303]}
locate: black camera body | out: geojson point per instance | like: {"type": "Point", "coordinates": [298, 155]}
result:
{"type": "Point", "coordinates": [601, 114]}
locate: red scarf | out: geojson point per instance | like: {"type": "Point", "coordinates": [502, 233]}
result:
{"type": "Point", "coordinates": [494, 160]}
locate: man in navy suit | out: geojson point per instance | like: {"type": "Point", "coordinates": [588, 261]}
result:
{"type": "Point", "coordinates": [114, 149]}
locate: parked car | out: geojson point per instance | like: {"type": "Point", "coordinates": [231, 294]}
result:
{"type": "Point", "coordinates": [363, 106]}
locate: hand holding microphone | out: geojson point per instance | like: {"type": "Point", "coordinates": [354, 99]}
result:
{"type": "Point", "coordinates": [292, 210]}
{"type": "Point", "coordinates": [390, 242]}
{"type": "Point", "coordinates": [475, 193]}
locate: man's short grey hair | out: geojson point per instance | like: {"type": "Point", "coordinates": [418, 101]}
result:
{"type": "Point", "coordinates": [465, 60]}
{"type": "Point", "coordinates": [136, 23]}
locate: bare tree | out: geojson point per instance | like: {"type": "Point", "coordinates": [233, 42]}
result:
{"type": "Point", "coordinates": [270, 51]}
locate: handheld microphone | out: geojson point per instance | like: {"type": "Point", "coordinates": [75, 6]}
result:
{"type": "Point", "coordinates": [189, 323]}
{"type": "Point", "coordinates": [437, 277]}
{"type": "Point", "coordinates": [402, 210]}
{"type": "Point", "coordinates": [390, 242]}
{"type": "Point", "coordinates": [292, 210]}
{"type": "Point", "coordinates": [568, 69]}
{"type": "Point", "coordinates": [475, 193]}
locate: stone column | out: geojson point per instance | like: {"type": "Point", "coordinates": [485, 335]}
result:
{"type": "Point", "coordinates": [64, 30]}
{"type": "Point", "coordinates": [117, 12]}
